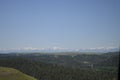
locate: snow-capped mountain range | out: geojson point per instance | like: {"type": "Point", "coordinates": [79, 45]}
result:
{"type": "Point", "coordinates": [59, 49]}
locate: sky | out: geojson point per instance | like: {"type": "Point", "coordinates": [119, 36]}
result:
{"type": "Point", "coordinates": [72, 24]}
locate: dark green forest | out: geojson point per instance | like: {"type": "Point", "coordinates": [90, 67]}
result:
{"type": "Point", "coordinates": [64, 67]}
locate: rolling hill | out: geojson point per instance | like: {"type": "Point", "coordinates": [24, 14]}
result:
{"type": "Point", "coordinates": [13, 74]}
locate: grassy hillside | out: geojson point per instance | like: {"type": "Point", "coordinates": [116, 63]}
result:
{"type": "Point", "coordinates": [13, 74]}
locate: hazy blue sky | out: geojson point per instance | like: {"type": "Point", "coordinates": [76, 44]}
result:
{"type": "Point", "coordinates": [62, 23]}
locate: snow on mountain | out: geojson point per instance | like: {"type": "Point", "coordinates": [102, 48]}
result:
{"type": "Point", "coordinates": [59, 49]}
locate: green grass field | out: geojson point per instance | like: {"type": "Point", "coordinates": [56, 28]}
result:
{"type": "Point", "coordinates": [13, 74]}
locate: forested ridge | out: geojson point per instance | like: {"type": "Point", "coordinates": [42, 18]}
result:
{"type": "Point", "coordinates": [43, 70]}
